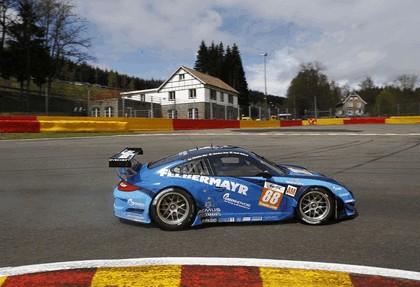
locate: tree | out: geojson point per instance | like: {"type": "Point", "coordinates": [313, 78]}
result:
{"type": "Point", "coordinates": [64, 36]}
{"type": "Point", "coordinates": [367, 83]}
{"type": "Point", "coordinates": [112, 79]}
{"type": "Point", "coordinates": [311, 91]}
{"type": "Point", "coordinates": [6, 20]}
{"type": "Point", "coordinates": [236, 75]}
{"type": "Point", "coordinates": [225, 65]}
{"type": "Point", "coordinates": [201, 63]}
{"type": "Point", "coordinates": [386, 103]}
{"type": "Point", "coordinates": [369, 92]}
{"type": "Point", "coordinates": [406, 82]}
{"type": "Point", "coordinates": [27, 53]}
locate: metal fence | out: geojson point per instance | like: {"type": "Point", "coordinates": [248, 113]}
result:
{"type": "Point", "coordinates": [405, 109]}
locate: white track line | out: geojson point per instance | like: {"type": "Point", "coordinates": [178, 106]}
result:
{"type": "Point", "coordinates": [271, 134]}
{"type": "Point", "coordinates": [395, 273]}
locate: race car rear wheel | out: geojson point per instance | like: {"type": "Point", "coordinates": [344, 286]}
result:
{"type": "Point", "coordinates": [173, 209]}
{"type": "Point", "coordinates": [315, 206]}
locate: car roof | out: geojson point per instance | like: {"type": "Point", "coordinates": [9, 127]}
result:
{"type": "Point", "coordinates": [210, 150]}
{"type": "Point", "coordinates": [197, 153]}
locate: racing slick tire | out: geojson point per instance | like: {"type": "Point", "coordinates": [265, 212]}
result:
{"type": "Point", "coordinates": [173, 209]}
{"type": "Point", "coordinates": [315, 207]}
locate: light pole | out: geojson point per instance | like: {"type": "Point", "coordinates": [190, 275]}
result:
{"type": "Point", "coordinates": [265, 81]}
{"type": "Point", "coordinates": [265, 74]}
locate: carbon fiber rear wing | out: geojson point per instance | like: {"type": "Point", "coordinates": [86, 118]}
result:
{"type": "Point", "coordinates": [125, 158]}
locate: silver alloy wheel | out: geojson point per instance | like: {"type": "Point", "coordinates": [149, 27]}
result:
{"type": "Point", "coordinates": [315, 206]}
{"type": "Point", "coordinates": [173, 208]}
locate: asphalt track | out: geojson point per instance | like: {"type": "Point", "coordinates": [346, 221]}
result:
{"type": "Point", "coordinates": [56, 199]}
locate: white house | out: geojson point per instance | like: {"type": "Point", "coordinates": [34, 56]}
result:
{"type": "Point", "coordinates": [188, 93]}
{"type": "Point", "coordinates": [352, 106]}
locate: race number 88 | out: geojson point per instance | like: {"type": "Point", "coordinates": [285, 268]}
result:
{"type": "Point", "coordinates": [271, 196]}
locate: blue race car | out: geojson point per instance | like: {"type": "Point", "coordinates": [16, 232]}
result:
{"type": "Point", "coordinates": [223, 184]}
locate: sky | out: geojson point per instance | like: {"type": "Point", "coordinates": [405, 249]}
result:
{"type": "Point", "coordinates": [352, 39]}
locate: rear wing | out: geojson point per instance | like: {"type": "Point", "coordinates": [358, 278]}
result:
{"type": "Point", "coordinates": [125, 158]}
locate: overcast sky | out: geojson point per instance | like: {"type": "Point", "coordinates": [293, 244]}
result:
{"type": "Point", "coordinates": [351, 38]}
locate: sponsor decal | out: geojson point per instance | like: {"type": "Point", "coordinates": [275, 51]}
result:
{"type": "Point", "coordinates": [228, 219]}
{"type": "Point", "coordinates": [344, 194]}
{"type": "Point", "coordinates": [271, 217]}
{"type": "Point", "coordinates": [218, 153]}
{"type": "Point", "coordinates": [246, 218]}
{"type": "Point", "coordinates": [294, 181]}
{"type": "Point", "coordinates": [126, 154]}
{"type": "Point", "coordinates": [257, 218]}
{"type": "Point", "coordinates": [291, 190]}
{"type": "Point", "coordinates": [337, 187]}
{"type": "Point", "coordinates": [271, 195]}
{"type": "Point", "coordinates": [131, 202]}
{"type": "Point", "coordinates": [218, 182]}
{"type": "Point", "coordinates": [209, 220]}
{"type": "Point", "coordinates": [133, 217]}
{"type": "Point", "coordinates": [209, 212]}
{"type": "Point", "coordinates": [235, 202]}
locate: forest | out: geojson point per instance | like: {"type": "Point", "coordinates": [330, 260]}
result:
{"type": "Point", "coordinates": [44, 56]}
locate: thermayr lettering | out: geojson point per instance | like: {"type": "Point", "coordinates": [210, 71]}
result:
{"type": "Point", "coordinates": [229, 185]}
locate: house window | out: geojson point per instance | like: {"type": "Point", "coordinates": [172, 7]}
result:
{"type": "Point", "coordinates": [222, 97]}
{"type": "Point", "coordinates": [109, 112]}
{"type": "Point", "coordinates": [213, 95]}
{"type": "Point", "coordinates": [182, 77]}
{"type": "Point", "coordinates": [171, 114]}
{"type": "Point", "coordinates": [192, 94]}
{"type": "Point", "coordinates": [193, 113]}
{"type": "Point", "coordinates": [230, 99]}
{"type": "Point", "coordinates": [95, 112]}
{"type": "Point", "coordinates": [171, 96]}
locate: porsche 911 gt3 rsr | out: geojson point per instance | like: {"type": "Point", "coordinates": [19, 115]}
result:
{"type": "Point", "coordinates": [223, 184]}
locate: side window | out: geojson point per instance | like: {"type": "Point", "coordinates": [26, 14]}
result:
{"type": "Point", "coordinates": [235, 165]}
{"type": "Point", "coordinates": [200, 167]}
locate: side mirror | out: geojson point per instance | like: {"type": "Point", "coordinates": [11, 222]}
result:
{"type": "Point", "coordinates": [266, 174]}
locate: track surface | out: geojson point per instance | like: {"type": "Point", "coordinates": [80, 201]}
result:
{"type": "Point", "coordinates": [56, 199]}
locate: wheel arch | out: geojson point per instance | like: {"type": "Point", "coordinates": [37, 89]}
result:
{"type": "Point", "coordinates": [321, 187]}
{"type": "Point", "coordinates": [173, 188]}
{"type": "Point", "coordinates": [161, 193]}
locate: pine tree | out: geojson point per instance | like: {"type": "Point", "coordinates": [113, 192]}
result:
{"type": "Point", "coordinates": [225, 65]}
{"type": "Point", "coordinates": [26, 47]}
{"type": "Point", "coordinates": [202, 58]}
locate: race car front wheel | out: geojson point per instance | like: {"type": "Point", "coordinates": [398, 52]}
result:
{"type": "Point", "coordinates": [315, 206]}
{"type": "Point", "coordinates": [173, 209]}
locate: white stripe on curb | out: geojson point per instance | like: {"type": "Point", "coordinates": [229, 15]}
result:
{"type": "Point", "coordinates": [12, 271]}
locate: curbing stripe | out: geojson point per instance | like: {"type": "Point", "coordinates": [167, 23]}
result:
{"type": "Point", "coordinates": [303, 278]}
{"type": "Point", "coordinates": [306, 265]}
{"type": "Point", "coordinates": [153, 275]}
{"type": "Point", "coordinates": [232, 276]}
{"type": "Point", "coordinates": [77, 277]}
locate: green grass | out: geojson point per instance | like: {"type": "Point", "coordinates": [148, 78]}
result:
{"type": "Point", "coordinates": [18, 136]}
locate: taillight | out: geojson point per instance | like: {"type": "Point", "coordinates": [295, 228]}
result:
{"type": "Point", "coordinates": [124, 186]}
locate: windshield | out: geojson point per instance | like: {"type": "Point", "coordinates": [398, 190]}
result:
{"type": "Point", "coordinates": [278, 169]}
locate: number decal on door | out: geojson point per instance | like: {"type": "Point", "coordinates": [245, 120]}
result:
{"type": "Point", "coordinates": [271, 195]}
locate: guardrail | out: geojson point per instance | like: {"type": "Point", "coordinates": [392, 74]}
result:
{"type": "Point", "coordinates": [51, 124]}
